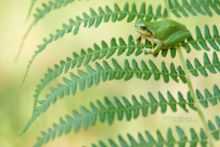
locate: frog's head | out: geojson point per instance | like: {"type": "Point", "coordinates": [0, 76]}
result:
{"type": "Point", "coordinates": [143, 28]}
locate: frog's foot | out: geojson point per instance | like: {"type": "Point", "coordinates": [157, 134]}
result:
{"type": "Point", "coordinates": [152, 52]}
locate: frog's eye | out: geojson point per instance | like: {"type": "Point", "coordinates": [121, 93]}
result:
{"type": "Point", "coordinates": [143, 27]}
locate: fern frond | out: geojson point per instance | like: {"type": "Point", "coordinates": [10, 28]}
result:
{"type": "Point", "coordinates": [46, 8]}
{"type": "Point", "coordinates": [203, 41]}
{"type": "Point", "coordinates": [95, 18]}
{"type": "Point", "coordinates": [207, 97]}
{"type": "Point", "coordinates": [104, 51]}
{"type": "Point", "coordinates": [31, 8]}
{"type": "Point", "coordinates": [23, 41]}
{"type": "Point", "coordinates": [211, 66]}
{"type": "Point", "coordinates": [180, 138]}
{"type": "Point", "coordinates": [106, 72]}
{"type": "Point", "coordinates": [49, 6]}
{"type": "Point", "coordinates": [122, 108]}
{"type": "Point", "coordinates": [194, 7]}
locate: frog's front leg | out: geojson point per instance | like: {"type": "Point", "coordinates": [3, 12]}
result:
{"type": "Point", "coordinates": [155, 50]}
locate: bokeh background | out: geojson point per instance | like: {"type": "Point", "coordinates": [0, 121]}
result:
{"type": "Point", "coordinates": [16, 102]}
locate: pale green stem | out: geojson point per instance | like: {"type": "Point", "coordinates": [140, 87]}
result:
{"type": "Point", "coordinates": [196, 102]}
{"type": "Point", "coordinates": [191, 90]}
{"type": "Point", "coordinates": [23, 40]}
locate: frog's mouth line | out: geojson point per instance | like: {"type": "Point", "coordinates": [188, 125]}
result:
{"type": "Point", "coordinates": [143, 35]}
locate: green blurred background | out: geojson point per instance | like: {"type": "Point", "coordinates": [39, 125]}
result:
{"type": "Point", "coordinates": [16, 103]}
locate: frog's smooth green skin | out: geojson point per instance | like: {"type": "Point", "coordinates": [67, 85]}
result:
{"type": "Point", "coordinates": [165, 33]}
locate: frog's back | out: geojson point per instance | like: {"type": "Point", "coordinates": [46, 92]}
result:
{"type": "Point", "coordinates": [165, 27]}
{"type": "Point", "coordinates": [177, 25]}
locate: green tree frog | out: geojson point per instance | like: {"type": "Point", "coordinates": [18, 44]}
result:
{"type": "Point", "coordinates": [164, 33]}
